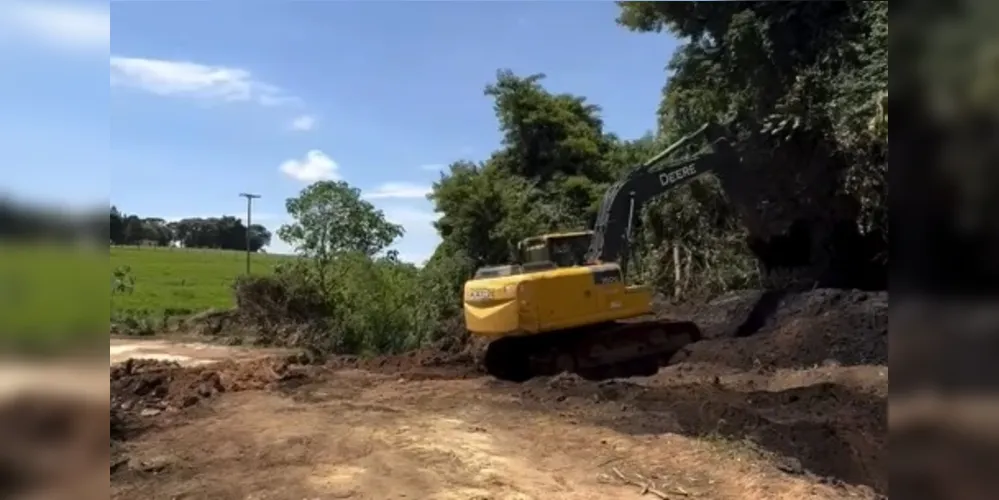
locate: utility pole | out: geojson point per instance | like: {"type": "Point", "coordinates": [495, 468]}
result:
{"type": "Point", "coordinates": [249, 212]}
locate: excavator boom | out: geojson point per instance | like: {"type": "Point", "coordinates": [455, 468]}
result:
{"type": "Point", "coordinates": [625, 198]}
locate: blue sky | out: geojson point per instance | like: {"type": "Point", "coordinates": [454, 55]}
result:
{"type": "Point", "coordinates": [208, 99]}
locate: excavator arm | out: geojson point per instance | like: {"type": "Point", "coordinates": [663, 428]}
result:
{"type": "Point", "coordinates": [611, 237]}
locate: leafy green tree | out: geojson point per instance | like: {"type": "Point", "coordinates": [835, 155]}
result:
{"type": "Point", "coordinates": [546, 134]}
{"type": "Point", "coordinates": [470, 200]}
{"type": "Point", "coordinates": [117, 226]}
{"type": "Point", "coordinates": [803, 79]}
{"type": "Point", "coordinates": [330, 219]}
{"type": "Point", "coordinates": [133, 232]}
{"type": "Point", "coordinates": [549, 175]}
{"type": "Point", "coordinates": [260, 237]}
{"type": "Point", "coordinates": [156, 230]}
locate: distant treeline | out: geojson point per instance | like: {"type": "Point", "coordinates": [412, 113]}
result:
{"type": "Point", "coordinates": [226, 232]}
{"type": "Point", "coordinates": [22, 221]}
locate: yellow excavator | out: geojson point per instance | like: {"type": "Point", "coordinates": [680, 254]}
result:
{"type": "Point", "coordinates": [564, 306]}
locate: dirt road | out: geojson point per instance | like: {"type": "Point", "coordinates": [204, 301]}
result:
{"type": "Point", "coordinates": [356, 434]}
{"type": "Point", "coordinates": [182, 353]}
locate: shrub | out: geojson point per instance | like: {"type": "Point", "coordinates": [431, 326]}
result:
{"type": "Point", "coordinates": [373, 306]}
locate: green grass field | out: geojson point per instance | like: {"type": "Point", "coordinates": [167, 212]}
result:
{"type": "Point", "coordinates": [175, 281]}
{"type": "Point", "coordinates": [51, 296]}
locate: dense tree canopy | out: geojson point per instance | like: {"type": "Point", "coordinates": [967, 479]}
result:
{"type": "Point", "coordinates": [804, 84]}
{"type": "Point", "coordinates": [549, 174]}
{"type": "Point", "coordinates": [804, 81]}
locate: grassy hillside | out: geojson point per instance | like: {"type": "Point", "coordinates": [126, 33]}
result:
{"type": "Point", "coordinates": [172, 281]}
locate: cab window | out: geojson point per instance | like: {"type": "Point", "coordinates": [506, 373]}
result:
{"type": "Point", "coordinates": [535, 254]}
{"type": "Point", "coordinates": [497, 272]}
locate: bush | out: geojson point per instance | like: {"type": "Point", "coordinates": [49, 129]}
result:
{"type": "Point", "coordinates": [373, 306]}
{"type": "Point", "coordinates": [278, 299]}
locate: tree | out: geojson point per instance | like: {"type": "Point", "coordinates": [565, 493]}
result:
{"type": "Point", "coordinates": [117, 227]}
{"type": "Point", "coordinates": [133, 232]}
{"type": "Point", "coordinates": [804, 80]}
{"type": "Point", "coordinates": [227, 233]}
{"type": "Point", "coordinates": [804, 105]}
{"type": "Point", "coordinates": [259, 237]}
{"type": "Point", "coordinates": [546, 134]}
{"type": "Point", "coordinates": [331, 220]}
{"type": "Point", "coordinates": [157, 231]}
{"type": "Point", "coordinates": [549, 175]}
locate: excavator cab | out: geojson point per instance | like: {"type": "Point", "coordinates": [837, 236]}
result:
{"type": "Point", "coordinates": [542, 253]}
{"type": "Point", "coordinates": [555, 249]}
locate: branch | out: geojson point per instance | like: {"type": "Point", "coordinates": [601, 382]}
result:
{"type": "Point", "coordinates": [647, 486]}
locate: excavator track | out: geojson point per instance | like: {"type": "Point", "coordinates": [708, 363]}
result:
{"type": "Point", "coordinates": [596, 352]}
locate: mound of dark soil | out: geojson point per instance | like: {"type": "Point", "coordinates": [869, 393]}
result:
{"type": "Point", "coordinates": [827, 415]}
{"type": "Point", "coordinates": [828, 429]}
{"type": "Point", "coordinates": [757, 330]}
{"type": "Point", "coordinates": [147, 387]}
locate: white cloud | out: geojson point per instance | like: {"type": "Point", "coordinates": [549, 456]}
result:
{"type": "Point", "coordinates": [414, 220]}
{"type": "Point", "coordinates": [303, 123]}
{"type": "Point", "coordinates": [398, 190]}
{"type": "Point", "coordinates": [434, 167]}
{"type": "Point", "coordinates": [71, 26]}
{"type": "Point", "coordinates": [315, 166]}
{"type": "Point", "coordinates": [190, 79]}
